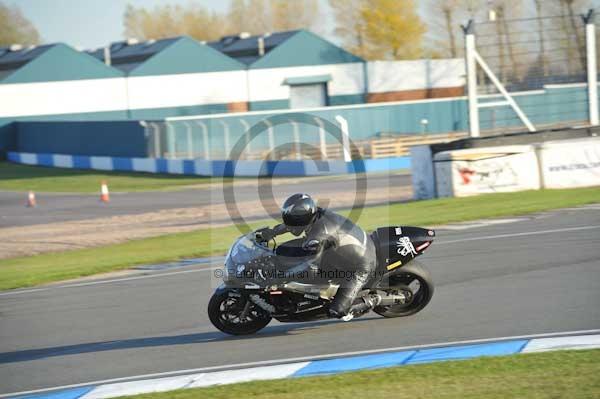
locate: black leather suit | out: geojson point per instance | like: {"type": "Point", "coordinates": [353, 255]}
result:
{"type": "Point", "coordinates": [348, 254]}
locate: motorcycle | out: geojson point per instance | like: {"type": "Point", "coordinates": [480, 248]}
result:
{"type": "Point", "coordinates": [263, 281]}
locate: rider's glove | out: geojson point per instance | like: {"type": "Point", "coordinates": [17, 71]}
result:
{"type": "Point", "coordinates": [312, 245]}
{"type": "Point", "coordinates": [329, 242]}
{"type": "Point", "coordinates": [265, 234]}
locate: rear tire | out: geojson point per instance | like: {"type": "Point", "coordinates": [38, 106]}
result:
{"type": "Point", "coordinates": [223, 308]}
{"type": "Point", "coordinates": [414, 280]}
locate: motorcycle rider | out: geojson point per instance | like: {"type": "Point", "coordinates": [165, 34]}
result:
{"type": "Point", "coordinates": [347, 249]}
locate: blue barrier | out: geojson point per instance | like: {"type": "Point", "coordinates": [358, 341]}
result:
{"type": "Point", "coordinates": [212, 168]}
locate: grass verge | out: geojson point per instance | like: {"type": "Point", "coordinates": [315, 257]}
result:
{"type": "Point", "coordinates": [45, 268]}
{"type": "Point", "coordinates": [15, 177]}
{"type": "Point", "coordinates": [562, 374]}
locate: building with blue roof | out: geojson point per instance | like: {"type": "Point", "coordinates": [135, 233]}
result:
{"type": "Point", "coordinates": [296, 69]}
{"type": "Point", "coordinates": [55, 81]}
{"type": "Point", "coordinates": [179, 76]}
{"type": "Point", "coordinates": [247, 48]}
{"type": "Point", "coordinates": [49, 63]}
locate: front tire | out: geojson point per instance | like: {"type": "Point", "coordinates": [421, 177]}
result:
{"type": "Point", "coordinates": [224, 311]}
{"type": "Point", "coordinates": [415, 282]}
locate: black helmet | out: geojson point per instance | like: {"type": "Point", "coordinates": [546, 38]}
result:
{"type": "Point", "coordinates": [299, 211]}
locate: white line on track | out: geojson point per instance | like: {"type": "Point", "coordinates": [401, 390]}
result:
{"type": "Point", "coordinates": [205, 269]}
{"type": "Point", "coordinates": [117, 280]}
{"type": "Point", "coordinates": [527, 233]}
{"type": "Point", "coordinates": [303, 359]}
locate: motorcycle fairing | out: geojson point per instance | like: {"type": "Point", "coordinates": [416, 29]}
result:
{"type": "Point", "coordinates": [398, 245]}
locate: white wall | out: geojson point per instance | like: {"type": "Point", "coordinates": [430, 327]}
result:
{"type": "Point", "coordinates": [66, 97]}
{"type": "Point", "coordinates": [187, 89]}
{"type": "Point", "coordinates": [99, 95]}
{"type": "Point", "coordinates": [570, 163]}
{"type": "Point", "coordinates": [461, 173]}
{"type": "Point", "coordinates": [388, 76]}
{"type": "Point", "coordinates": [267, 84]}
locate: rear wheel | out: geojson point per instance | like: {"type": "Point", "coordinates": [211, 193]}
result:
{"type": "Point", "coordinates": [414, 282]}
{"type": "Point", "coordinates": [236, 315]}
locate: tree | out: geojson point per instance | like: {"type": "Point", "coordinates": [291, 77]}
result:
{"type": "Point", "coordinates": [288, 15]}
{"type": "Point", "coordinates": [350, 26]}
{"type": "Point", "coordinates": [253, 16]}
{"type": "Point", "coordinates": [444, 19]}
{"type": "Point", "coordinates": [15, 28]}
{"type": "Point", "coordinates": [379, 29]}
{"type": "Point", "coordinates": [168, 21]}
{"type": "Point", "coordinates": [575, 29]}
{"type": "Point", "coordinates": [393, 29]}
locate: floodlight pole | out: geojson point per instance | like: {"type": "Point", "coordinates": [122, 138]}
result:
{"type": "Point", "coordinates": [296, 139]}
{"type": "Point", "coordinates": [322, 143]}
{"type": "Point", "coordinates": [156, 130]}
{"type": "Point", "coordinates": [247, 135]}
{"type": "Point", "coordinates": [592, 68]}
{"type": "Point", "coordinates": [271, 137]}
{"type": "Point", "coordinates": [471, 66]}
{"type": "Point", "coordinates": [205, 139]}
{"type": "Point", "coordinates": [171, 141]}
{"type": "Point", "coordinates": [190, 149]}
{"type": "Point", "coordinates": [345, 138]}
{"type": "Point", "coordinates": [225, 137]}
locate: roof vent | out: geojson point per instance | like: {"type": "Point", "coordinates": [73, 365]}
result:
{"type": "Point", "coordinates": [16, 47]}
{"type": "Point", "coordinates": [150, 42]}
{"type": "Point", "coordinates": [267, 34]}
{"type": "Point", "coordinates": [132, 40]}
{"type": "Point", "coordinates": [244, 35]}
{"type": "Point", "coordinates": [261, 46]}
{"type": "Point", "coordinates": [202, 41]}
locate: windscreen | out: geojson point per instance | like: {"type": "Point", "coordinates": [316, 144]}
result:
{"type": "Point", "coordinates": [246, 250]}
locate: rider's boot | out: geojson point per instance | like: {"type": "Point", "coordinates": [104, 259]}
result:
{"type": "Point", "coordinates": [342, 302]}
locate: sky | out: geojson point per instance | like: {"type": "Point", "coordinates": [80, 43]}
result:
{"type": "Point", "coordinates": [93, 23]}
{"type": "Point", "coordinates": [88, 24]}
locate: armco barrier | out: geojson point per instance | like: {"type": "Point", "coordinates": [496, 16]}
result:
{"type": "Point", "coordinates": [212, 168]}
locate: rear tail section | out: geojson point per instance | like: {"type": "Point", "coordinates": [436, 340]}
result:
{"type": "Point", "coordinates": [398, 245]}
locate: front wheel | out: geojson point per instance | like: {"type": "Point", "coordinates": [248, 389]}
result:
{"type": "Point", "coordinates": [236, 315]}
{"type": "Point", "coordinates": [414, 282]}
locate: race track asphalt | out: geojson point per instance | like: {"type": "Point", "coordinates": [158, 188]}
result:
{"type": "Point", "coordinates": [540, 274]}
{"type": "Point", "coordinates": [54, 207]}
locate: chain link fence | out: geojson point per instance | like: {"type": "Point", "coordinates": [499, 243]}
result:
{"type": "Point", "coordinates": [541, 63]}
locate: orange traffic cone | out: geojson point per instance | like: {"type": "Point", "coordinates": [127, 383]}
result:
{"type": "Point", "coordinates": [31, 200]}
{"type": "Point", "coordinates": [104, 195]}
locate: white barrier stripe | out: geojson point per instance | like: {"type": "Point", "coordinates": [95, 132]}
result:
{"type": "Point", "coordinates": [561, 343]}
{"type": "Point", "coordinates": [195, 381]}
